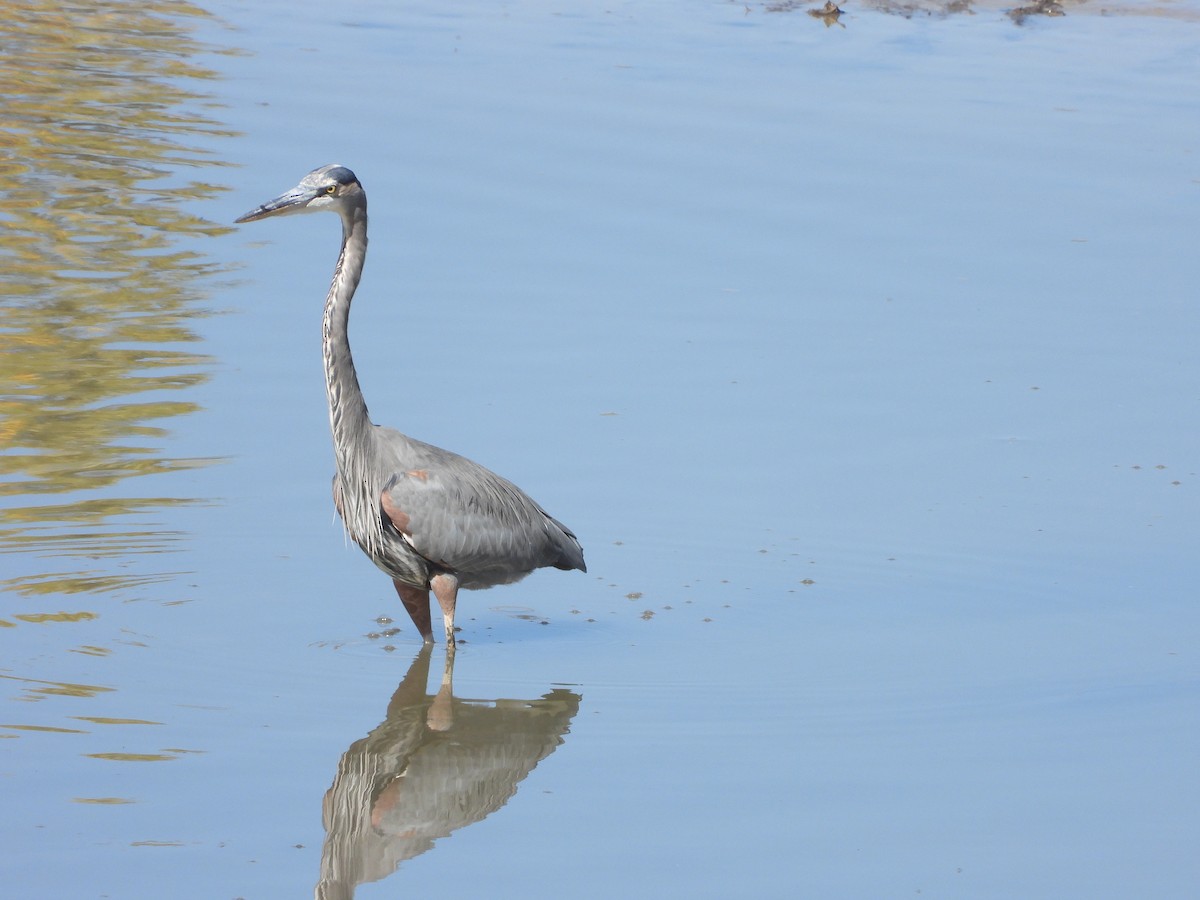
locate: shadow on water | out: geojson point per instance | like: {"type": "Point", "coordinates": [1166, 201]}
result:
{"type": "Point", "coordinates": [99, 283]}
{"type": "Point", "coordinates": [436, 764]}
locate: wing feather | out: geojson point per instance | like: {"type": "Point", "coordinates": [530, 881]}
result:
{"type": "Point", "coordinates": [467, 519]}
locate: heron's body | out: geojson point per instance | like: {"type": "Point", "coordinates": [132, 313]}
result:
{"type": "Point", "coordinates": [429, 518]}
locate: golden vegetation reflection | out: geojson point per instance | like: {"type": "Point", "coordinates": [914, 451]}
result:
{"type": "Point", "coordinates": [104, 131]}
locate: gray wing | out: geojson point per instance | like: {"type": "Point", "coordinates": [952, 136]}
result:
{"type": "Point", "coordinates": [470, 521]}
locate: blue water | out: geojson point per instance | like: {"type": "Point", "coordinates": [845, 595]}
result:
{"type": "Point", "coordinates": [862, 360]}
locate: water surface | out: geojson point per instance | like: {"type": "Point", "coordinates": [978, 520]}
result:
{"type": "Point", "coordinates": [860, 357]}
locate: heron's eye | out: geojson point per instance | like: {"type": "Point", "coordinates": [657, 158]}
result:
{"type": "Point", "coordinates": [332, 189]}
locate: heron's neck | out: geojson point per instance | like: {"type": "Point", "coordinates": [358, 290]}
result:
{"type": "Point", "coordinates": [348, 417]}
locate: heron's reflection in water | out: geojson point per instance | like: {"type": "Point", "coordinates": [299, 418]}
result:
{"type": "Point", "coordinates": [435, 764]}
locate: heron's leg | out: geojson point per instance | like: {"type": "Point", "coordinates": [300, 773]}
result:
{"type": "Point", "coordinates": [416, 601]}
{"type": "Point", "coordinates": [445, 588]}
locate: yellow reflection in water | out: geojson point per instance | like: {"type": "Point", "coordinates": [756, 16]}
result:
{"type": "Point", "coordinates": [38, 618]}
{"type": "Point", "coordinates": [43, 728]}
{"type": "Point", "coordinates": [104, 127]}
{"type": "Point", "coordinates": [35, 689]}
{"type": "Point", "coordinates": [132, 757]}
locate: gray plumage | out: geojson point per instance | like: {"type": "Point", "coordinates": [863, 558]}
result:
{"type": "Point", "coordinates": [429, 518]}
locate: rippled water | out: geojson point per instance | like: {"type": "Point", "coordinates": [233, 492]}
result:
{"type": "Point", "coordinates": [860, 353]}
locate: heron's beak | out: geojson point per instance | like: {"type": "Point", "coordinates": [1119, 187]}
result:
{"type": "Point", "coordinates": [293, 201]}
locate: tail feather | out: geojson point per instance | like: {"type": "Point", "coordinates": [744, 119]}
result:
{"type": "Point", "coordinates": [570, 551]}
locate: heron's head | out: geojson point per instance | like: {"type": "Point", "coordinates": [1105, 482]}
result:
{"type": "Point", "coordinates": [333, 188]}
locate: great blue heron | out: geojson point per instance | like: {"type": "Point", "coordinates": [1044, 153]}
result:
{"type": "Point", "coordinates": [429, 518]}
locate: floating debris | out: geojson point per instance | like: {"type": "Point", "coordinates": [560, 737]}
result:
{"type": "Point", "coordinates": [829, 13]}
{"type": "Point", "coordinates": [1040, 8]}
